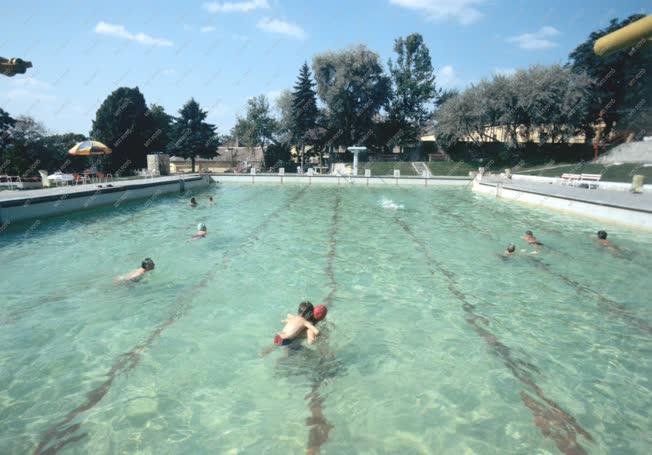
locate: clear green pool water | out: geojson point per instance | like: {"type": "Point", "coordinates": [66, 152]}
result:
{"type": "Point", "coordinates": [433, 343]}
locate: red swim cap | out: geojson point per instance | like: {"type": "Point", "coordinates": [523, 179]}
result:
{"type": "Point", "coordinates": [320, 312]}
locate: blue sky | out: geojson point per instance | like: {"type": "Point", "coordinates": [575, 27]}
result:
{"type": "Point", "coordinates": [222, 52]}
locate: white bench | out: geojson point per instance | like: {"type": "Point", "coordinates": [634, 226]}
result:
{"type": "Point", "coordinates": [591, 179]}
{"type": "Point", "coordinates": [570, 179]}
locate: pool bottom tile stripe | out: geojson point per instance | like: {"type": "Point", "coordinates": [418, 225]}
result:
{"type": "Point", "coordinates": [612, 307]}
{"type": "Point", "coordinates": [553, 422]}
{"type": "Point", "coordinates": [63, 432]}
{"type": "Point", "coordinates": [332, 249]}
{"type": "Point", "coordinates": [319, 426]}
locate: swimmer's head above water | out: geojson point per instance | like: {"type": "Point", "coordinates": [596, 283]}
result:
{"type": "Point", "coordinates": [602, 235]}
{"type": "Point", "coordinates": [305, 309]}
{"type": "Point", "coordinates": [201, 227]}
{"type": "Point", "coordinates": [320, 312]}
{"type": "Point", "coordinates": [147, 264]}
{"type": "Point", "coordinates": [511, 248]}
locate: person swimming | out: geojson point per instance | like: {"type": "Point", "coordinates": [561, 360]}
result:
{"type": "Point", "coordinates": [602, 240]}
{"type": "Point", "coordinates": [301, 323]}
{"type": "Point", "coordinates": [511, 249]}
{"type": "Point", "coordinates": [201, 231]}
{"type": "Point", "coordinates": [531, 239]}
{"type": "Point", "coordinates": [210, 200]}
{"type": "Point", "coordinates": [193, 202]}
{"type": "Point", "coordinates": [146, 266]}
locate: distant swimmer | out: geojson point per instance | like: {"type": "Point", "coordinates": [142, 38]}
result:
{"type": "Point", "coordinates": [146, 266]}
{"type": "Point", "coordinates": [201, 231]}
{"type": "Point", "coordinates": [511, 251]}
{"type": "Point", "coordinates": [531, 239]}
{"type": "Point", "coordinates": [193, 202]}
{"type": "Point", "coordinates": [602, 240]}
{"type": "Point", "coordinates": [210, 200]}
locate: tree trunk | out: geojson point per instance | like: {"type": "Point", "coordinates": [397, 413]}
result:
{"type": "Point", "coordinates": [192, 161]}
{"type": "Point", "coordinates": [303, 151]}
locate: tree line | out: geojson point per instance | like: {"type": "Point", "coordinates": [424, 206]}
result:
{"type": "Point", "coordinates": [589, 95]}
{"type": "Point", "coordinates": [349, 97]}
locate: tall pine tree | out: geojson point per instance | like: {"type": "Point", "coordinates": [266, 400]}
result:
{"type": "Point", "coordinates": [304, 108]}
{"type": "Point", "coordinates": [191, 135]}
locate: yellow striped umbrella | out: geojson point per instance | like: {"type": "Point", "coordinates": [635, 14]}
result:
{"type": "Point", "coordinates": [89, 148]}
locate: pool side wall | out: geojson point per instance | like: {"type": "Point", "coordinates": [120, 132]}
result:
{"type": "Point", "coordinates": [609, 214]}
{"type": "Point", "coordinates": [341, 180]}
{"type": "Point", "coordinates": [52, 205]}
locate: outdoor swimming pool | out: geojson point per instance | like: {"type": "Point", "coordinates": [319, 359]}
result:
{"type": "Point", "coordinates": [433, 343]}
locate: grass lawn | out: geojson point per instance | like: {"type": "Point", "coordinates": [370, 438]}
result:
{"type": "Point", "coordinates": [387, 168]}
{"type": "Point", "coordinates": [611, 173]}
{"type": "Point", "coordinates": [456, 168]}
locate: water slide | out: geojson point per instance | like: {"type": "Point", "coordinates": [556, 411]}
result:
{"type": "Point", "coordinates": [634, 35]}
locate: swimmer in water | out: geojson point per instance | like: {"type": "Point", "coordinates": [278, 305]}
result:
{"type": "Point", "coordinates": [511, 249]}
{"type": "Point", "coordinates": [210, 200]}
{"type": "Point", "coordinates": [306, 313]}
{"type": "Point", "coordinates": [296, 325]}
{"type": "Point", "coordinates": [146, 266]}
{"type": "Point", "coordinates": [531, 239]}
{"type": "Point", "coordinates": [201, 232]}
{"type": "Point", "coordinates": [193, 202]}
{"type": "Point", "coordinates": [602, 241]}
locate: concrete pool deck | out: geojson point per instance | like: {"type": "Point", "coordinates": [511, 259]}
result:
{"type": "Point", "coordinates": [359, 180]}
{"type": "Point", "coordinates": [30, 204]}
{"type": "Point", "coordinates": [613, 206]}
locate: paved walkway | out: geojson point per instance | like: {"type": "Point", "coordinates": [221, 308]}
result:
{"type": "Point", "coordinates": [623, 199]}
{"type": "Point", "coordinates": [13, 195]}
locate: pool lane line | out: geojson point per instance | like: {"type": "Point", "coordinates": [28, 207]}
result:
{"type": "Point", "coordinates": [128, 361]}
{"type": "Point", "coordinates": [610, 305]}
{"type": "Point", "coordinates": [332, 250]}
{"type": "Point", "coordinates": [319, 425]}
{"type": "Point", "coordinates": [549, 417]}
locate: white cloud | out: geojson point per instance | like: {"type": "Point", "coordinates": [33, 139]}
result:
{"type": "Point", "coordinates": [120, 31]}
{"type": "Point", "coordinates": [541, 39]}
{"type": "Point", "coordinates": [28, 88]}
{"type": "Point", "coordinates": [207, 29]}
{"type": "Point", "coordinates": [21, 94]}
{"type": "Point", "coordinates": [31, 82]}
{"type": "Point", "coordinates": [504, 71]}
{"type": "Point", "coordinates": [235, 7]}
{"type": "Point", "coordinates": [273, 95]}
{"type": "Point", "coordinates": [447, 78]}
{"type": "Point", "coordinates": [282, 27]}
{"type": "Point", "coordinates": [464, 11]}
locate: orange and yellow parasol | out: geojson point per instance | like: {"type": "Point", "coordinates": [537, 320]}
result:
{"type": "Point", "coordinates": [89, 148]}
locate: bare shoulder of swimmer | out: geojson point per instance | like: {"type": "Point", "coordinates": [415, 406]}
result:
{"type": "Point", "coordinates": [132, 276]}
{"type": "Point", "coordinates": [295, 326]}
{"type": "Point", "coordinates": [136, 275]}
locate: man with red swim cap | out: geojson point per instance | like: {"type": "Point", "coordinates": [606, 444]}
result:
{"type": "Point", "coordinates": [320, 312]}
{"type": "Point", "coordinates": [302, 322]}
